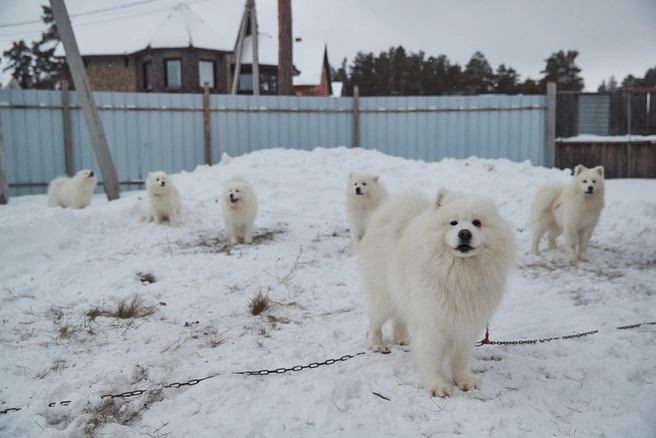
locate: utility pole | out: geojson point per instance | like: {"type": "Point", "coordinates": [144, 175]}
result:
{"type": "Point", "coordinates": [88, 104]}
{"type": "Point", "coordinates": [285, 48]}
{"type": "Point", "coordinates": [255, 39]}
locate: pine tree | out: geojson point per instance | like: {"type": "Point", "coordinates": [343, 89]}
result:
{"type": "Point", "coordinates": [561, 68]}
{"type": "Point", "coordinates": [630, 82]}
{"type": "Point", "coordinates": [602, 88]}
{"type": "Point", "coordinates": [36, 66]}
{"type": "Point", "coordinates": [612, 84]}
{"type": "Point", "coordinates": [506, 80]}
{"type": "Point", "coordinates": [529, 86]}
{"type": "Point", "coordinates": [478, 76]}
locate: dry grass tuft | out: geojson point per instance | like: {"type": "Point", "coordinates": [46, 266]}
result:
{"type": "Point", "coordinates": [259, 303]}
{"type": "Point", "coordinates": [219, 244]}
{"type": "Point", "coordinates": [126, 308]}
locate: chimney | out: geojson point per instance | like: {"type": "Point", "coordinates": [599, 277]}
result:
{"type": "Point", "coordinates": [298, 39]}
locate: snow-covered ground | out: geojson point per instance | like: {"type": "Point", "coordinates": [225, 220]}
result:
{"type": "Point", "coordinates": [58, 265]}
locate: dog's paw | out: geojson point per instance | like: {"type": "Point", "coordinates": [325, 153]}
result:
{"type": "Point", "coordinates": [440, 390]}
{"type": "Point", "coordinates": [584, 258]}
{"type": "Point", "coordinates": [469, 383]}
{"type": "Point", "coordinates": [379, 348]}
{"type": "Point", "coordinates": [535, 251]}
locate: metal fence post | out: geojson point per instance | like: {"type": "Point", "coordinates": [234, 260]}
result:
{"type": "Point", "coordinates": [68, 138]}
{"type": "Point", "coordinates": [628, 133]}
{"type": "Point", "coordinates": [4, 182]}
{"type": "Point", "coordinates": [356, 116]}
{"type": "Point", "coordinates": [206, 123]}
{"type": "Point", "coordinates": [550, 140]}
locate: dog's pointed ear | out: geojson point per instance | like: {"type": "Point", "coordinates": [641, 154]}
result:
{"type": "Point", "coordinates": [439, 199]}
{"type": "Point", "coordinates": [376, 178]}
{"type": "Point", "coordinates": [578, 169]}
{"type": "Point", "coordinates": [600, 170]}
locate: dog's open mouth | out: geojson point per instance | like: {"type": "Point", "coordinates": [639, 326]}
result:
{"type": "Point", "coordinates": [589, 193]}
{"type": "Point", "coordinates": [234, 200]}
{"type": "Point", "coordinates": [464, 248]}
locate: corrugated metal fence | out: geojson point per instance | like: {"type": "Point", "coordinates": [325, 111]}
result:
{"type": "Point", "coordinates": [149, 132]}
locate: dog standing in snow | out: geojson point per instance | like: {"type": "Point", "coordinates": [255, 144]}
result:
{"type": "Point", "coordinates": [239, 210]}
{"type": "Point", "coordinates": [438, 268]}
{"type": "Point", "coordinates": [73, 192]}
{"type": "Point", "coordinates": [364, 194]}
{"type": "Point", "coordinates": [163, 197]}
{"type": "Point", "coordinates": [573, 209]}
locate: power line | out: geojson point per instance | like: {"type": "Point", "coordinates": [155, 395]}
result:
{"type": "Point", "coordinates": [82, 14]}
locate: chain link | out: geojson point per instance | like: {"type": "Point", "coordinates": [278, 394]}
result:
{"type": "Point", "coordinates": [297, 367]}
{"type": "Point", "coordinates": [486, 339]}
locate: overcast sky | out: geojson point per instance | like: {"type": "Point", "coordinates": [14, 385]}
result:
{"type": "Point", "coordinates": [613, 37]}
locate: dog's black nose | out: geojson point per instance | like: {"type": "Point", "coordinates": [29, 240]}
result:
{"type": "Point", "coordinates": [91, 173]}
{"type": "Point", "coordinates": [465, 235]}
{"type": "Point", "coordinates": [590, 189]}
{"type": "Point", "coordinates": [163, 183]}
{"type": "Point", "coordinates": [358, 190]}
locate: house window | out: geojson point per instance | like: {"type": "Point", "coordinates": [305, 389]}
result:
{"type": "Point", "coordinates": [206, 73]}
{"type": "Point", "coordinates": [173, 73]}
{"type": "Point", "coordinates": [246, 82]}
{"type": "Point", "coordinates": [148, 75]}
{"type": "Point", "coordinates": [268, 82]}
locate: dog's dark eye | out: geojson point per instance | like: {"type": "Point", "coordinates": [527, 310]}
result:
{"type": "Point", "coordinates": [594, 181]}
{"type": "Point", "coordinates": [585, 181]}
{"type": "Point", "coordinates": [364, 184]}
{"type": "Point", "coordinates": [454, 223]}
{"type": "Point", "coordinates": [237, 191]}
{"type": "Point", "coordinates": [157, 179]}
{"type": "Point", "coordinates": [355, 184]}
{"type": "Point", "coordinates": [477, 223]}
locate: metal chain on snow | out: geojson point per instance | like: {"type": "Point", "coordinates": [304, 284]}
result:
{"type": "Point", "coordinates": [297, 367]}
{"type": "Point", "coordinates": [193, 382]}
{"type": "Point", "coordinates": [486, 339]}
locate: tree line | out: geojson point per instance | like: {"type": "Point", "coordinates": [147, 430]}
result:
{"type": "Point", "coordinates": [396, 72]}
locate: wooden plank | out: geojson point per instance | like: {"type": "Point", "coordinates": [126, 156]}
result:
{"type": "Point", "coordinates": [4, 185]}
{"type": "Point", "coordinates": [89, 110]}
{"type": "Point", "coordinates": [285, 48]}
{"type": "Point", "coordinates": [240, 50]}
{"type": "Point", "coordinates": [356, 116]}
{"type": "Point", "coordinates": [68, 137]}
{"type": "Point", "coordinates": [550, 140]}
{"type": "Point", "coordinates": [206, 123]}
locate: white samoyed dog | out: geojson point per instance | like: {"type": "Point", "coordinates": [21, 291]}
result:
{"type": "Point", "coordinates": [573, 209]}
{"type": "Point", "coordinates": [364, 194]}
{"type": "Point", "coordinates": [164, 198]}
{"type": "Point", "coordinates": [239, 210]}
{"type": "Point", "coordinates": [439, 269]}
{"type": "Point", "coordinates": [75, 192]}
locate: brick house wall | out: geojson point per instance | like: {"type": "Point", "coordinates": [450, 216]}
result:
{"type": "Point", "coordinates": [126, 73]}
{"type": "Point", "coordinates": [111, 73]}
{"type": "Point", "coordinates": [314, 90]}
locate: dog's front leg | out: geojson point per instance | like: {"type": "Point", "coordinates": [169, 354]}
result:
{"type": "Point", "coordinates": [460, 369]}
{"type": "Point", "coordinates": [571, 239]}
{"type": "Point", "coordinates": [430, 349]}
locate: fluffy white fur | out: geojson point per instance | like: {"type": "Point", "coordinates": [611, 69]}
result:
{"type": "Point", "coordinates": [164, 198]}
{"type": "Point", "coordinates": [440, 290]}
{"type": "Point", "coordinates": [239, 210]}
{"type": "Point", "coordinates": [573, 209]}
{"type": "Point", "coordinates": [73, 192]}
{"type": "Point", "coordinates": [364, 194]}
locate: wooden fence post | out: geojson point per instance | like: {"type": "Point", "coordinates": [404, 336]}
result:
{"type": "Point", "coordinates": [629, 173]}
{"type": "Point", "coordinates": [4, 180]}
{"type": "Point", "coordinates": [87, 102]}
{"type": "Point", "coordinates": [356, 116]}
{"type": "Point", "coordinates": [206, 123]}
{"type": "Point", "coordinates": [550, 140]}
{"type": "Point", "coordinates": [68, 137]}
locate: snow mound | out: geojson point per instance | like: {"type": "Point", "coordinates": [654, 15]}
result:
{"type": "Point", "coordinates": [64, 273]}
